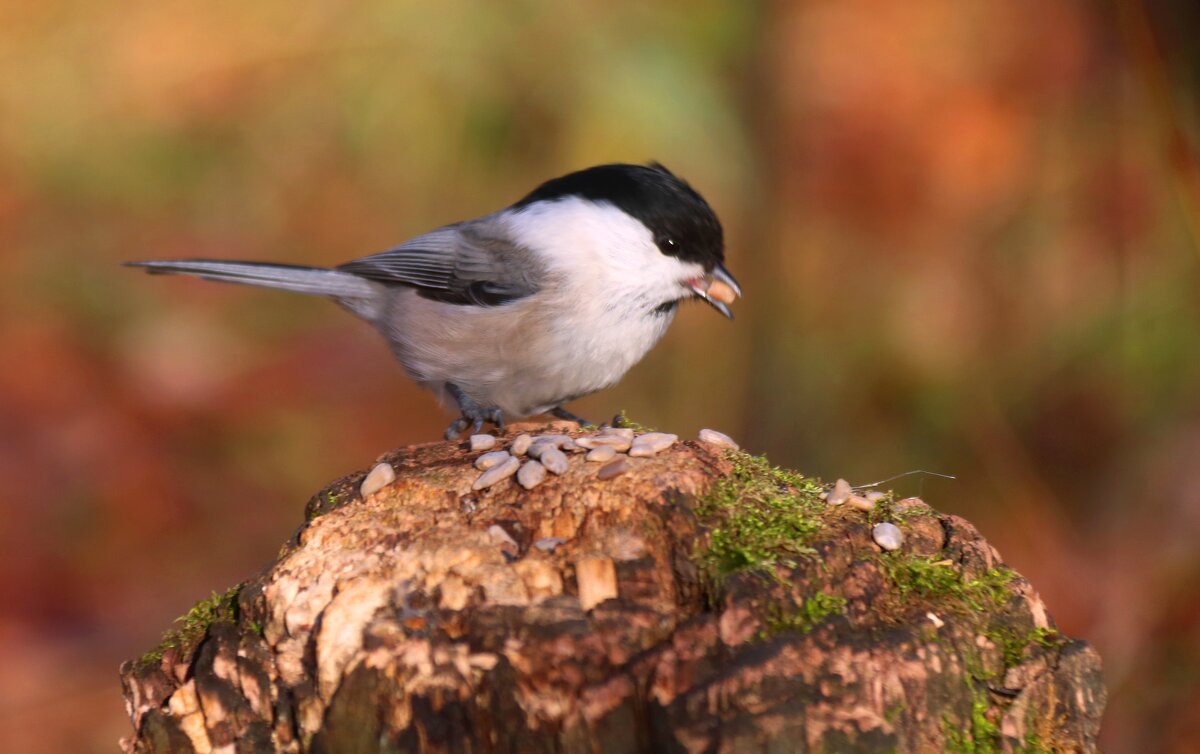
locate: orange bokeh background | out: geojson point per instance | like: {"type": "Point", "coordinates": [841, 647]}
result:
{"type": "Point", "coordinates": [967, 231]}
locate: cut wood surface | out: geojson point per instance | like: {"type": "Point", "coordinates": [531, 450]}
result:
{"type": "Point", "coordinates": [702, 601]}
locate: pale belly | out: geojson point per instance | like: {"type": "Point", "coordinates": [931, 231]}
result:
{"type": "Point", "coordinates": [518, 357]}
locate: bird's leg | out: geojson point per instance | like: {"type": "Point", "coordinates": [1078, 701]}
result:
{"type": "Point", "coordinates": [495, 416]}
{"type": "Point", "coordinates": [473, 414]}
{"type": "Point", "coordinates": [455, 429]}
{"type": "Point", "coordinates": [559, 412]}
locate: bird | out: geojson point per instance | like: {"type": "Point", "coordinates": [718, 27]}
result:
{"type": "Point", "coordinates": [518, 312]}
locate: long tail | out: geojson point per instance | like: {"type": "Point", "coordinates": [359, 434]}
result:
{"type": "Point", "coordinates": [288, 277]}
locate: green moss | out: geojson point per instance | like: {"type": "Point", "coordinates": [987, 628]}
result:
{"type": "Point", "coordinates": [622, 421]}
{"type": "Point", "coordinates": [1047, 638]}
{"type": "Point", "coordinates": [806, 616]}
{"type": "Point", "coordinates": [886, 510]}
{"type": "Point", "coordinates": [985, 732]}
{"type": "Point", "coordinates": [940, 582]}
{"type": "Point", "coordinates": [758, 517]}
{"type": "Point", "coordinates": [762, 519]}
{"type": "Point", "coordinates": [1013, 641]}
{"type": "Point", "coordinates": [194, 625]}
{"type": "Point", "coordinates": [324, 502]}
{"type": "Point", "coordinates": [983, 735]}
{"type": "Point", "coordinates": [1033, 745]}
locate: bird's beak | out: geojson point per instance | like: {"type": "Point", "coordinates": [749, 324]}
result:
{"type": "Point", "coordinates": [719, 289]}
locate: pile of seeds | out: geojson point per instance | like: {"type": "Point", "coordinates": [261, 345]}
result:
{"type": "Point", "coordinates": [611, 448]}
{"type": "Point", "coordinates": [532, 457]}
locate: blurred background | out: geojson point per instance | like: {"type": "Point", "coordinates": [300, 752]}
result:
{"type": "Point", "coordinates": [967, 232]}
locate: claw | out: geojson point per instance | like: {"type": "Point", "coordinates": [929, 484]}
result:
{"type": "Point", "coordinates": [473, 415]}
{"type": "Point", "coordinates": [495, 416]}
{"type": "Point", "coordinates": [561, 413]}
{"type": "Point", "coordinates": [455, 429]}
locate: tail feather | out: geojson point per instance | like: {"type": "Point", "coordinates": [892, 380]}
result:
{"type": "Point", "coordinates": [286, 277]}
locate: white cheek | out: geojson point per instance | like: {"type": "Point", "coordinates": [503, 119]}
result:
{"type": "Point", "coordinates": [599, 248]}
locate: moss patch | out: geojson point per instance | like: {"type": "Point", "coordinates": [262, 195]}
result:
{"type": "Point", "coordinates": [622, 421]}
{"type": "Point", "coordinates": [982, 736]}
{"type": "Point", "coordinates": [325, 501]}
{"type": "Point", "coordinates": [765, 520]}
{"type": "Point", "coordinates": [193, 625]}
{"type": "Point", "coordinates": [980, 733]}
{"type": "Point", "coordinates": [806, 615]}
{"type": "Point", "coordinates": [940, 583]}
{"type": "Point", "coordinates": [888, 510]}
{"type": "Point", "coordinates": [1013, 642]}
{"type": "Point", "coordinates": [758, 517]}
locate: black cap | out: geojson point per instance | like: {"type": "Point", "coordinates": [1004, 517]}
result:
{"type": "Point", "coordinates": [683, 224]}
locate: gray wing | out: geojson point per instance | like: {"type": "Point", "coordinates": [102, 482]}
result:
{"type": "Point", "coordinates": [471, 263]}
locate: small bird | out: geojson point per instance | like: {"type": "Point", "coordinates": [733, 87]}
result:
{"type": "Point", "coordinates": [520, 311]}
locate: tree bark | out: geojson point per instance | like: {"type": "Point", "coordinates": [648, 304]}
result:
{"type": "Point", "coordinates": [700, 602]}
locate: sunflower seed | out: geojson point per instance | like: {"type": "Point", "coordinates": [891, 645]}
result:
{"type": "Point", "coordinates": [379, 477]}
{"type": "Point", "coordinates": [520, 445]}
{"type": "Point", "coordinates": [625, 432]}
{"type": "Point", "coordinates": [617, 442]}
{"type": "Point", "coordinates": [713, 437]}
{"type": "Point", "coordinates": [488, 460]}
{"type": "Point", "coordinates": [888, 536]}
{"type": "Point", "coordinates": [614, 468]}
{"type": "Point", "coordinates": [719, 290]}
{"type": "Point", "coordinates": [483, 442]}
{"type": "Point", "coordinates": [841, 490]}
{"type": "Point", "coordinates": [554, 460]}
{"type": "Point", "coordinates": [651, 443]}
{"type": "Point", "coordinates": [531, 474]}
{"type": "Point", "coordinates": [601, 454]}
{"type": "Point", "coordinates": [497, 473]}
{"type": "Point", "coordinates": [860, 502]}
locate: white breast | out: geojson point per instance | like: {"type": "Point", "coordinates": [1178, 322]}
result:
{"type": "Point", "coordinates": [593, 318]}
{"type": "Point", "coordinates": [606, 279]}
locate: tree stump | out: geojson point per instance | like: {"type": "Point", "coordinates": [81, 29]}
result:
{"type": "Point", "coordinates": [702, 601]}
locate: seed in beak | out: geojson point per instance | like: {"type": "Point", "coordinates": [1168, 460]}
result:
{"type": "Point", "coordinates": [721, 291]}
{"type": "Point", "coordinates": [702, 288]}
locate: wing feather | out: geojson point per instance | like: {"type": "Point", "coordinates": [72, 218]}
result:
{"type": "Point", "coordinates": [473, 263]}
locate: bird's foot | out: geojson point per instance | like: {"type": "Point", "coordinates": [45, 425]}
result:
{"type": "Point", "coordinates": [559, 412]}
{"type": "Point", "coordinates": [473, 414]}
